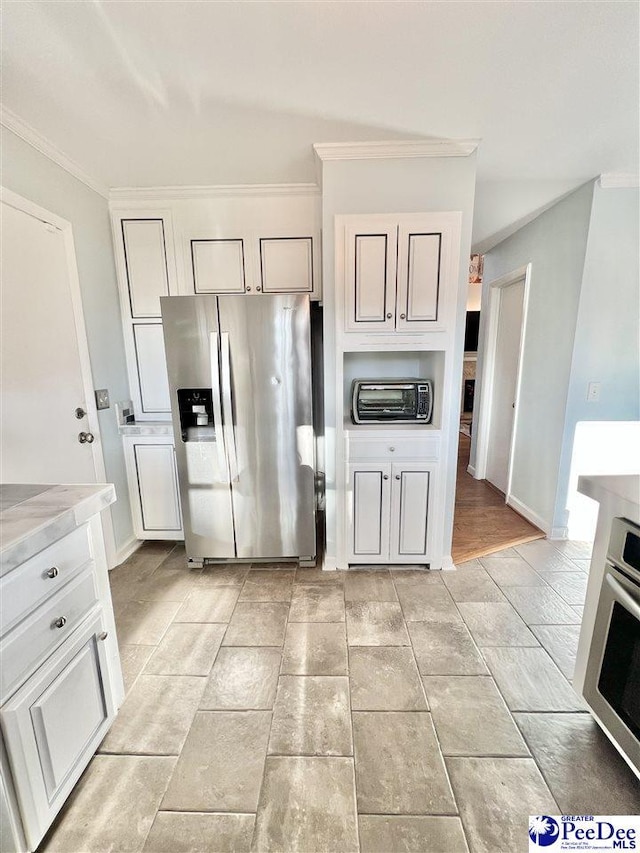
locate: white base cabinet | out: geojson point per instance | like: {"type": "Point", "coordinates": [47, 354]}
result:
{"type": "Point", "coordinates": [391, 508]}
{"type": "Point", "coordinates": [154, 492]}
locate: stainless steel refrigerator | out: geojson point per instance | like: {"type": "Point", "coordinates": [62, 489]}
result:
{"type": "Point", "coordinates": [240, 379]}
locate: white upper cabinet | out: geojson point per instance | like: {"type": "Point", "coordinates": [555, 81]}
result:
{"type": "Point", "coordinates": [286, 265]}
{"type": "Point", "coordinates": [400, 272]}
{"type": "Point", "coordinates": [145, 258]}
{"type": "Point", "coordinates": [152, 381]}
{"type": "Point", "coordinates": [218, 266]}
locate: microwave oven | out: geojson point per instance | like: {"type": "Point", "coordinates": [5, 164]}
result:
{"type": "Point", "coordinates": [380, 401]}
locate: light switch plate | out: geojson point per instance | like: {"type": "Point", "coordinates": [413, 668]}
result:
{"type": "Point", "coordinates": [102, 398]}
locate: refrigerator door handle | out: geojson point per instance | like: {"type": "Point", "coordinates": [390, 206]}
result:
{"type": "Point", "coordinates": [216, 398]}
{"type": "Point", "coordinates": [227, 406]}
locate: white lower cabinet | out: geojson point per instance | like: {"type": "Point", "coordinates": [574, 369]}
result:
{"type": "Point", "coordinates": [153, 487]}
{"type": "Point", "coordinates": [390, 512]}
{"type": "Point", "coordinates": [55, 720]}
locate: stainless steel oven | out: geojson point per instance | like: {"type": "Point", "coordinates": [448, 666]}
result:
{"type": "Point", "coordinates": [612, 680]}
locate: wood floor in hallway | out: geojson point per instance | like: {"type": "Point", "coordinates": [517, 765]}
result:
{"type": "Point", "coordinates": [483, 523]}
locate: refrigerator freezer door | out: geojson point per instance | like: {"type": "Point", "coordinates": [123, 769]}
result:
{"type": "Point", "coordinates": [267, 384]}
{"type": "Point", "coordinates": [190, 330]}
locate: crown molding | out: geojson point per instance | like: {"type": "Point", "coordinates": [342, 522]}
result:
{"type": "Point", "coordinates": [619, 180]}
{"type": "Point", "coordinates": [395, 149]}
{"type": "Point", "coordinates": [20, 127]}
{"type": "Point", "coordinates": [122, 194]}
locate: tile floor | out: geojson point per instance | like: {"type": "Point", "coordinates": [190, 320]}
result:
{"type": "Point", "coordinates": [270, 709]}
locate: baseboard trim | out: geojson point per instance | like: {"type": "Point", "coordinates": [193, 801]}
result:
{"type": "Point", "coordinates": [127, 550]}
{"type": "Point", "coordinates": [329, 564]}
{"type": "Point", "coordinates": [471, 469]}
{"type": "Point", "coordinates": [559, 533]}
{"type": "Point", "coordinates": [528, 513]}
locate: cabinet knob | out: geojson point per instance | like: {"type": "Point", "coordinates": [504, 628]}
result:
{"type": "Point", "coordinates": [385, 476]}
{"type": "Point", "coordinates": [60, 623]}
{"type": "Point", "coordinates": [389, 316]}
{"type": "Point", "coordinates": [248, 290]}
{"type": "Point", "coordinates": [258, 288]}
{"type": "Point", "coordinates": [103, 635]}
{"type": "Point", "coordinates": [52, 573]}
{"type": "Point", "coordinates": [397, 476]}
{"type": "Point", "coordinates": [403, 316]}
{"type": "Point", "coordinates": [392, 449]}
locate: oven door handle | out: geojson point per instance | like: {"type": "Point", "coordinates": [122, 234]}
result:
{"type": "Point", "coordinates": [621, 593]}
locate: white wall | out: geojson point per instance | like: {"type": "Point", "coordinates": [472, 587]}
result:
{"type": "Point", "coordinates": [33, 176]}
{"type": "Point", "coordinates": [607, 340]}
{"type": "Point", "coordinates": [555, 243]}
{"type": "Point", "coordinates": [393, 186]}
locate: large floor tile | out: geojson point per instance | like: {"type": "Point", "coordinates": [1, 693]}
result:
{"type": "Point", "coordinates": [317, 602]}
{"type": "Point", "coordinates": [375, 623]}
{"type": "Point", "coordinates": [156, 716]}
{"type": "Point", "coordinates": [311, 716]}
{"type": "Point", "coordinates": [496, 624]}
{"type": "Point", "coordinates": [112, 807]}
{"type": "Point", "coordinates": [583, 769]}
{"type": "Point", "coordinates": [471, 717]}
{"type": "Point", "coordinates": [574, 548]}
{"type": "Point", "coordinates": [561, 641]}
{"type": "Point", "coordinates": [268, 585]}
{"type": "Point", "coordinates": [184, 832]}
{"type": "Point", "coordinates": [471, 586]}
{"type": "Point", "coordinates": [187, 649]}
{"type": "Point", "coordinates": [571, 586]}
{"type": "Point", "coordinates": [221, 765]}
{"type": "Point", "coordinates": [223, 574]}
{"type": "Point", "coordinates": [133, 660]}
{"type": "Point", "coordinates": [530, 681]}
{"type": "Point", "coordinates": [242, 679]}
{"type": "Point", "coordinates": [445, 649]}
{"type": "Point", "coordinates": [209, 605]}
{"type": "Point", "coordinates": [257, 624]}
{"type": "Point", "coordinates": [167, 583]}
{"type": "Point", "coordinates": [143, 623]}
{"type": "Point", "coordinates": [315, 648]}
{"type": "Point", "coordinates": [319, 575]}
{"type": "Point", "coordinates": [542, 555]}
{"type": "Point", "coordinates": [307, 805]}
{"type": "Point", "coordinates": [511, 571]}
{"type": "Point", "coordinates": [540, 606]}
{"type": "Point", "coordinates": [496, 797]}
{"type": "Point", "coordinates": [399, 766]}
{"type": "Point", "coordinates": [419, 577]}
{"type": "Point", "coordinates": [426, 602]}
{"type": "Point", "coordinates": [385, 679]}
{"type": "Point", "coordinates": [411, 834]}
{"type": "Point", "coordinates": [369, 585]}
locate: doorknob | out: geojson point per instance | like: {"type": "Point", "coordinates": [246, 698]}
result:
{"type": "Point", "coordinates": [85, 437]}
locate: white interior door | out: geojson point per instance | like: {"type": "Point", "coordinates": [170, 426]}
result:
{"type": "Point", "coordinates": [504, 384]}
{"type": "Point", "coordinates": [41, 368]}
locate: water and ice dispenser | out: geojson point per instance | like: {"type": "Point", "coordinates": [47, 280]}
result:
{"type": "Point", "coordinates": [196, 414]}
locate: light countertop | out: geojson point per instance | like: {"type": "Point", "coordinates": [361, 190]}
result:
{"type": "Point", "coordinates": [600, 488]}
{"type": "Point", "coordinates": [34, 516]}
{"type": "Point", "coordinates": [147, 428]}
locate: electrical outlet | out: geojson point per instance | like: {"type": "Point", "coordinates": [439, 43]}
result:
{"type": "Point", "coordinates": [593, 392]}
{"type": "Point", "coordinates": [102, 399]}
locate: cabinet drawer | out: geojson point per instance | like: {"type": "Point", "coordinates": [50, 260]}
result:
{"type": "Point", "coordinates": [397, 446]}
{"type": "Point", "coordinates": [24, 648]}
{"type": "Point", "coordinates": [38, 578]}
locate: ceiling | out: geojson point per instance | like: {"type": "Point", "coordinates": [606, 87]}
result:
{"type": "Point", "coordinates": [170, 93]}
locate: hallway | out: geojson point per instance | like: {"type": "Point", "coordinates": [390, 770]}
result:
{"type": "Point", "coordinates": [482, 522]}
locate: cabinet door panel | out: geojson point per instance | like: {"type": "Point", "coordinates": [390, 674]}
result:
{"type": "Point", "coordinates": [370, 520]}
{"type": "Point", "coordinates": [410, 511]}
{"type": "Point", "coordinates": [152, 368]}
{"type": "Point", "coordinates": [218, 266]}
{"type": "Point", "coordinates": [286, 264]}
{"type": "Point", "coordinates": [419, 273]}
{"type": "Point", "coordinates": [370, 279]}
{"type": "Point", "coordinates": [158, 486]}
{"type": "Point", "coordinates": [146, 265]}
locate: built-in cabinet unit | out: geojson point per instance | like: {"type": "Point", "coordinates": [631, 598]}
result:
{"type": "Point", "coordinates": [184, 241]}
{"type": "Point", "coordinates": [61, 679]}
{"type": "Point", "coordinates": [152, 478]}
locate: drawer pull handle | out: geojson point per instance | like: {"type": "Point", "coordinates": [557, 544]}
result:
{"type": "Point", "coordinates": [103, 635]}
{"type": "Point", "coordinates": [60, 623]}
{"type": "Point", "coordinates": [53, 572]}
